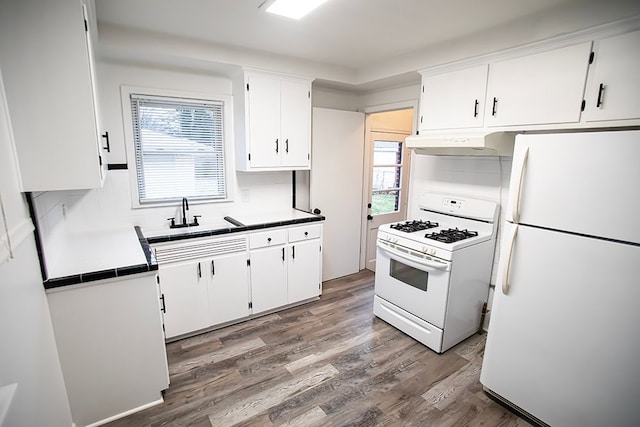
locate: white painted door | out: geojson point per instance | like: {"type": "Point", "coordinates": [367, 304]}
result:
{"type": "Point", "coordinates": [453, 100]}
{"type": "Point", "coordinates": [304, 270]}
{"type": "Point", "coordinates": [388, 181]}
{"type": "Point", "coordinates": [295, 129]}
{"type": "Point", "coordinates": [228, 288]}
{"type": "Point", "coordinates": [336, 187]}
{"type": "Point", "coordinates": [268, 278]}
{"type": "Point", "coordinates": [547, 87]}
{"type": "Point", "coordinates": [614, 91]}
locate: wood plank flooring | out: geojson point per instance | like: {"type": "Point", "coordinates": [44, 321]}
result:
{"type": "Point", "coordinates": [326, 363]}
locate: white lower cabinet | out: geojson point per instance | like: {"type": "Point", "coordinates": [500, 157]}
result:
{"type": "Point", "coordinates": [185, 298]}
{"type": "Point", "coordinates": [282, 273]}
{"type": "Point", "coordinates": [304, 270]}
{"type": "Point", "coordinates": [204, 282]}
{"type": "Point", "coordinates": [228, 288]}
{"type": "Point", "coordinates": [204, 293]}
{"type": "Point", "coordinates": [268, 279]}
{"type": "Point", "coordinates": [111, 346]}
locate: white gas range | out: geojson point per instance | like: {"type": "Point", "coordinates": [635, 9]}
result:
{"type": "Point", "coordinates": [433, 272]}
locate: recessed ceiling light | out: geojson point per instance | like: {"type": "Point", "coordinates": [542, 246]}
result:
{"type": "Point", "coordinates": [295, 9]}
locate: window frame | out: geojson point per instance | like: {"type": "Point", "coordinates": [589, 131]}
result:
{"type": "Point", "coordinates": [173, 95]}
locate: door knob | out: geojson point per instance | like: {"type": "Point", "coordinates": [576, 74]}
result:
{"type": "Point", "coordinates": [369, 217]}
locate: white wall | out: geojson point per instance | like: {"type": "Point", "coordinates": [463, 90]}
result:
{"type": "Point", "coordinates": [28, 354]}
{"type": "Point", "coordinates": [111, 206]}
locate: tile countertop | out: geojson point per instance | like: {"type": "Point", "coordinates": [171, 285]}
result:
{"type": "Point", "coordinates": [98, 255]}
{"type": "Point", "coordinates": [108, 254]}
{"type": "Point", "coordinates": [236, 222]}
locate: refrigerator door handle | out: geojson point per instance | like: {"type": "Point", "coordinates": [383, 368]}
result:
{"type": "Point", "coordinates": [507, 264]}
{"type": "Point", "coordinates": [515, 202]}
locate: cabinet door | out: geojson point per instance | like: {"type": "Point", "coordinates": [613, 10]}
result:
{"type": "Point", "coordinates": [295, 128]}
{"type": "Point", "coordinates": [264, 121]}
{"type": "Point", "coordinates": [304, 270]}
{"type": "Point", "coordinates": [268, 279]}
{"type": "Point", "coordinates": [453, 100]}
{"type": "Point", "coordinates": [185, 297]}
{"type": "Point", "coordinates": [614, 90]}
{"type": "Point", "coordinates": [228, 288]}
{"type": "Point", "coordinates": [46, 71]}
{"type": "Point", "coordinates": [543, 88]}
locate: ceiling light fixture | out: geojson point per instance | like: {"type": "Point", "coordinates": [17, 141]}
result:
{"type": "Point", "coordinates": [295, 9]}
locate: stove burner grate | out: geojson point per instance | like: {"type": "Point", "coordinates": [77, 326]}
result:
{"type": "Point", "coordinates": [415, 225]}
{"type": "Point", "coordinates": [451, 235]}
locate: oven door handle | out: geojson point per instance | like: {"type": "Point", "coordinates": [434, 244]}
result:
{"type": "Point", "coordinates": [421, 261]}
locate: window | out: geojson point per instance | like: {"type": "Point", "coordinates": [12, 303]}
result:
{"type": "Point", "coordinates": [179, 148]}
{"type": "Point", "coordinates": [387, 177]}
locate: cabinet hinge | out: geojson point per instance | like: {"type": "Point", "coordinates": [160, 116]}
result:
{"type": "Point", "coordinates": [423, 89]}
{"type": "Point", "coordinates": [591, 56]}
{"type": "Point", "coordinates": [249, 156]}
{"type": "Point", "coordinates": [320, 248]}
{"type": "Point", "coordinates": [308, 156]}
{"type": "Point", "coordinates": [583, 105]}
{"type": "Point", "coordinates": [248, 263]}
{"type": "Point", "coordinates": [157, 279]}
{"type": "Point", "coordinates": [309, 94]}
{"type": "Point", "coordinates": [250, 304]}
{"type": "Point", "coordinates": [247, 87]}
{"type": "Point", "coordinates": [417, 132]}
{"type": "Point", "coordinates": [421, 117]}
{"type": "Point", "coordinates": [100, 160]}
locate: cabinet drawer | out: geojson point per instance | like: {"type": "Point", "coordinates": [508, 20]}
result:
{"type": "Point", "coordinates": [304, 233]}
{"type": "Point", "coordinates": [268, 238]}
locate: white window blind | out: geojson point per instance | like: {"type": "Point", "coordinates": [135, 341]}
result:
{"type": "Point", "coordinates": [179, 148]}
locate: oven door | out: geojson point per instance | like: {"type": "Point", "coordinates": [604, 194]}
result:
{"type": "Point", "coordinates": [413, 282]}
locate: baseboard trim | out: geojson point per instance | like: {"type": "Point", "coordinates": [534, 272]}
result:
{"type": "Point", "coordinates": [126, 413]}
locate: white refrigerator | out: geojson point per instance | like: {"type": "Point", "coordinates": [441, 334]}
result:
{"type": "Point", "coordinates": [564, 337]}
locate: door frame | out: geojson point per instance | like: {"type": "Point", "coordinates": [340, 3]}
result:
{"type": "Point", "coordinates": [366, 179]}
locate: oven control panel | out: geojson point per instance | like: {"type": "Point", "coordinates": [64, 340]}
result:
{"type": "Point", "coordinates": [452, 205]}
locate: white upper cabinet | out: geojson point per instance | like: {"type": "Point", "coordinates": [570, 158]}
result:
{"type": "Point", "coordinates": [614, 89]}
{"type": "Point", "coordinates": [273, 122]}
{"type": "Point", "coordinates": [453, 100]}
{"type": "Point", "coordinates": [46, 62]}
{"type": "Point", "coordinates": [542, 88]}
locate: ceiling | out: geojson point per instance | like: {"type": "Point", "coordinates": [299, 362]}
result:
{"type": "Point", "coordinates": [348, 37]}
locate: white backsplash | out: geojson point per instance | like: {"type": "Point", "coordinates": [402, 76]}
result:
{"type": "Point", "coordinates": [63, 212]}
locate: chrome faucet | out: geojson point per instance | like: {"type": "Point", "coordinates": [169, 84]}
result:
{"type": "Point", "coordinates": [185, 208]}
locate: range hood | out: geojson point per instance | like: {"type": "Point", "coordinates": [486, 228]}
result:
{"type": "Point", "coordinates": [464, 144]}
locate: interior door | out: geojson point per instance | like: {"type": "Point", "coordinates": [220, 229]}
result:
{"type": "Point", "coordinates": [336, 187]}
{"type": "Point", "coordinates": [388, 181]}
{"type": "Point", "coordinates": [563, 340]}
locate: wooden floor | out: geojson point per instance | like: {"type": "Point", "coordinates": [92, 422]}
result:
{"type": "Point", "coordinates": [326, 363]}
